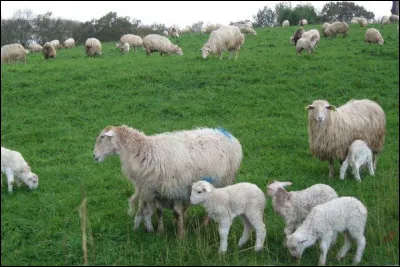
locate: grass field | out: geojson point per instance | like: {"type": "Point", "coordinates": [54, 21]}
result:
{"type": "Point", "coordinates": [52, 112]}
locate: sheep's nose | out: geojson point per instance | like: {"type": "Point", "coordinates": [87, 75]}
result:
{"type": "Point", "coordinates": [320, 119]}
{"type": "Point", "coordinates": [94, 157]}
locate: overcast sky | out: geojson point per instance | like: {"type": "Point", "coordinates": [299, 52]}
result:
{"type": "Point", "coordinates": [169, 13]}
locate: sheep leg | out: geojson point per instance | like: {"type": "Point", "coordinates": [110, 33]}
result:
{"type": "Point", "coordinates": [331, 169]}
{"type": "Point", "coordinates": [10, 179]}
{"type": "Point", "coordinates": [131, 203]}
{"type": "Point", "coordinates": [346, 247]}
{"type": "Point", "coordinates": [160, 227]}
{"type": "Point", "coordinates": [206, 220]}
{"type": "Point", "coordinates": [324, 246]}
{"type": "Point", "coordinates": [223, 230]}
{"type": "Point", "coordinates": [178, 210]}
{"type": "Point", "coordinates": [360, 249]}
{"type": "Point", "coordinates": [256, 220]}
{"type": "Point", "coordinates": [374, 159]}
{"type": "Point", "coordinates": [356, 172]}
{"type": "Point", "coordinates": [148, 213]}
{"type": "Point", "coordinates": [246, 231]}
{"type": "Point", "coordinates": [139, 215]}
{"type": "Point", "coordinates": [343, 168]}
{"type": "Point", "coordinates": [371, 168]}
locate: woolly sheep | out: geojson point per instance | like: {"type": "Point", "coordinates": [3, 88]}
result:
{"type": "Point", "coordinates": [165, 33]}
{"type": "Point", "coordinates": [308, 34]}
{"type": "Point", "coordinates": [155, 42]}
{"type": "Point", "coordinates": [394, 18]}
{"type": "Point", "coordinates": [92, 47]}
{"type": "Point", "coordinates": [212, 27]}
{"type": "Point", "coordinates": [245, 28]}
{"type": "Point", "coordinates": [164, 166]}
{"type": "Point", "coordinates": [297, 34]}
{"type": "Point", "coordinates": [13, 165]}
{"type": "Point", "coordinates": [225, 204]}
{"type": "Point", "coordinates": [134, 41]}
{"type": "Point", "coordinates": [49, 51]}
{"type": "Point", "coordinates": [373, 35]}
{"type": "Point", "coordinates": [303, 22]}
{"type": "Point", "coordinates": [306, 43]}
{"type": "Point", "coordinates": [324, 26]}
{"type": "Point", "coordinates": [335, 28]}
{"type": "Point", "coordinates": [186, 30]}
{"type": "Point", "coordinates": [285, 23]}
{"type": "Point", "coordinates": [360, 20]}
{"type": "Point", "coordinates": [35, 48]}
{"type": "Point", "coordinates": [26, 51]}
{"type": "Point", "coordinates": [294, 206]}
{"type": "Point", "coordinates": [385, 20]}
{"type": "Point", "coordinates": [353, 21]}
{"type": "Point", "coordinates": [123, 47]}
{"type": "Point", "coordinates": [69, 43]}
{"type": "Point", "coordinates": [13, 53]}
{"type": "Point", "coordinates": [358, 155]}
{"type": "Point", "coordinates": [345, 215]}
{"type": "Point", "coordinates": [225, 38]}
{"type": "Point", "coordinates": [331, 130]}
{"type": "Point", "coordinates": [56, 44]}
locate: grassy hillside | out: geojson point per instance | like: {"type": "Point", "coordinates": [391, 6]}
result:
{"type": "Point", "coordinates": [52, 112]}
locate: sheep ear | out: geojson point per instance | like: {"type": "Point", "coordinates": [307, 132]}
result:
{"type": "Point", "coordinates": [286, 184]}
{"type": "Point", "coordinates": [110, 133]}
{"type": "Point", "coordinates": [309, 107]}
{"type": "Point", "coordinates": [331, 107]}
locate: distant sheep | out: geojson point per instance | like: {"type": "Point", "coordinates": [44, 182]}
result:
{"type": "Point", "coordinates": [225, 204]}
{"type": "Point", "coordinates": [49, 51]}
{"type": "Point", "coordinates": [92, 47]}
{"type": "Point", "coordinates": [385, 20]}
{"type": "Point", "coordinates": [336, 28]}
{"type": "Point", "coordinates": [345, 215]}
{"type": "Point", "coordinates": [359, 155]}
{"type": "Point", "coordinates": [294, 206]}
{"type": "Point", "coordinates": [331, 130]}
{"type": "Point", "coordinates": [394, 18]}
{"type": "Point", "coordinates": [13, 53]}
{"type": "Point", "coordinates": [297, 34]}
{"type": "Point", "coordinates": [360, 20]}
{"type": "Point", "coordinates": [226, 38]}
{"type": "Point", "coordinates": [212, 27]}
{"type": "Point", "coordinates": [14, 166]}
{"type": "Point", "coordinates": [245, 28]}
{"type": "Point", "coordinates": [165, 33]}
{"type": "Point", "coordinates": [353, 21]}
{"type": "Point", "coordinates": [306, 43]}
{"type": "Point", "coordinates": [372, 35]}
{"type": "Point", "coordinates": [134, 41]}
{"type": "Point", "coordinates": [155, 42]}
{"type": "Point", "coordinates": [285, 23]}
{"type": "Point", "coordinates": [35, 48]}
{"type": "Point", "coordinates": [69, 43]}
{"type": "Point", "coordinates": [303, 22]}
{"type": "Point", "coordinates": [56, 44]}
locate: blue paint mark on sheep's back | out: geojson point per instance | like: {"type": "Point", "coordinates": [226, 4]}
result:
{"type": "Point", "coordinates": [207, 179]}
{"type": "Point", "coordinates": [224, 132]}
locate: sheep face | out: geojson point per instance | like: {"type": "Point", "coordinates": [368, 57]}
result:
{"type": "Point", "coordinates": [380, 40]}
{"type": "Point", "coordinates": [320, 109]}
{"type": "Point", "coordinates": [200, 192]}
{"type": "Point", "coordinates": [205, 51]}
{"type": "Point", "coordinates": [106, 144]}
{"type": "Point", "coordinates": [29, 178]}
{"type": "Point", "coordinates": [273, 187]}
{"type": "Point", "coordinates": [295, 245]}
{"type": "Point", "coordinates": [178, 50]}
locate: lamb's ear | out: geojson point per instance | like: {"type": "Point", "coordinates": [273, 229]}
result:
{"type": "Point", "coordinates": [110, 133]}
{"type": "Point", "coordinates": [286, 184]}
{"type": "Point", "coordinates": [331, 107]}
{"type": "Point", "coordinates": [309, 107]}
{"type": "Point", "coordinates": [207, 187]}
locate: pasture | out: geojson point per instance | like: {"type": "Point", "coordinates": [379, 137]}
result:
{"type": "Point", "coordinates": [53, 110]}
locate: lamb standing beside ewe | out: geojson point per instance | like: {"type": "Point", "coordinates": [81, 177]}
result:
{"type": "Point", "coordinates": [134, 41]}
{"type": "Point", "coordinates": [331, 130]}
{"type": "Point", "coordinates": [294, 206]}
{"type": "Point", "coordinates": [155, 42]}
{"type": "Point", "coordinates": [372, 35]}
{"type": "Point", "coordinates": [359, 155]}
{"type": "Point", "coordinates": [49, 51]}
{"type": "Point", "coordinates": [13, 53]}
{"type": "Point", "coordinates": [13, 165]}
{"type": "Point", "coordinates": [225, 204]}
{"type": "Point", "coordinates": [92, 47]}
{"type": "Point", "coordinates": [123, 47]}
{"type": "Point", "coordinates": [345, 214]}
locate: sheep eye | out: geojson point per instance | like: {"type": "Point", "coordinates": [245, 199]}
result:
{"type": "Point", "coordinates": [199, 192]}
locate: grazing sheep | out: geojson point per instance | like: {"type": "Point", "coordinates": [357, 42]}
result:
{"type": "Point", "coordinates": [13, 165]}
{"type": "Point", "coordinates": [56, 44]}
{"type": "Point", "coordinates": [123, 47]}
{"type": "Point", "coordinates": [297, 34]}
{"type": "Point", "coordinates": [69, 43]}
{"type": "Point", "coordinates": [134, 41]}
{"type": "Point", "coordinates": [345, 215]}
{"type": "Point", "coordinates": [385, 20]}
{"type": "Point", "coordinates": [155, 42]}
{"type": "Point", "coordinates": [294, 206]}
{"type": "Point", "coordinates": [394, 18]}
{"type": "Point", "coordinates": [26, 51]}
{"type": "Point", "coordinates": [285, 23]}
{"type": "Point", "coordinates": [93, 47]}
{"type": "Point", "coordinates": [372, 35]}
{"type": "Point", "coordinates": [175, 35]}
{"type": "Point", "coordinates": [225, 38]}
{"type": "Point", "coordinates": [165, 33]}
{"type": "Point", "coordinates": [307, 44]}
{"type": "Point", "coordinates": [13, 53]}
{"type": "Point", "coordinates": [35, 48]}
{"type": "Point", "coordinates": [303, 22]}
{"type": "Point", "coordinates": [308, 34]}
{"type": "Point", "coordinates": [245, 28]}
{"type": "Point", "coordinates": [164, 166]}
{"type": "Point", "coordinates": [359, 155]}
{"type": "Point", "coordinates": [225, 204]}
{"type": "Point", "coordinates": [324, 26]}
{"type": "Point", "coordinates": [335, 28]}
{"type": "Point", "coordinates": [49, 51]}
{"type": "Point", "coordinates": [353, 21]}
{"type": "Point", "coordinates": [360, 20]}
{"type": "Point", "coordinates": [331, 130]}
{"type": "Point", "coordinates": [212, 27]}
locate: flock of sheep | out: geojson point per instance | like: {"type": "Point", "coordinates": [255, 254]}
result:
{"type": "Point", "coordinates": [174, 170]}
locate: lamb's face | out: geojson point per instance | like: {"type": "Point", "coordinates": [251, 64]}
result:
{"type": "Point", "coordinates": [30, 179]}
{"type": "Point", "coordinates": [200, 191]}
{"type": "Point", "coordinates": [295, 246]}
{"type": "Point", "coordinates": [380, 40]}
{"type": "Point", "coordinates": [105, 145]}
{"type": "Point", "coordinates": [320, 110]}
{"type": "Point", "coordinates": [273, 187]}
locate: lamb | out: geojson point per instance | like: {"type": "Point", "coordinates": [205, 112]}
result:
{"type": "Point", "coordinates": [134, 41]}
{"type": "Point", "coordinates": [245, 28]}
{"type": "Point", "coordinates": [13, 53]}
{"type": "Point", "coordinates": [285, 23]}
{"type": "Point", "coordinates": [345, 214]}
{"type": "Point", "coordinates": [225, 38]}
{"type": "Point", "coordinates": [155, 42]}
{"type": "Point", "coordinates": [35, 48]}
{"type": "Point", "coordinates": [123, 48]}
{"type": "Point", "coordinates": [49, 51]}
{"type": "Point", "coordinates": [308, 34]}
{"type": "Point", "coordinates": [296, 205]}
{"type": "Point", "coordinates": [307, 44]}
{"type": "Point", "coordinates": [372, 35]}
{"type": "Point", "coordinates": [359, 155]}
{"type": "Point", "coordinates": [164, 166]}
{"type": "Point", "coordinates": [297, 34]}
{"type": "Point", "coordinates": [13, 165]}
{"type": "Point", "coordinates": [225, 204]}
{"type": "Point", "coordinates": [69, 43]}
{"type": "Point", "coordinates": [335, 28]}
{"type": "Point", "coordinates": [92, 47]}
{"type": "Point", "coordinates": [56, 44]}
{"type": "Point", "coordinates": [331, 130]}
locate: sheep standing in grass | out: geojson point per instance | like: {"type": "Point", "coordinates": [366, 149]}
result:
{"type": "Point", "coordinates": [372, 35]}
{"type": "Point", "coordinates": [342, 215]}
{"type": "Point", "coordinates": [297, 35]}
{"type": "Point", "coordinates": [360, 20]}
{"type": "Point", "coordinates": [285, 23]}
{"type": "Point", "coordinates": [123, 47]}
{"type": "Point", "coordinates": [335, 28]}
{"type": "Point", "coordinates": [385, 20]}
{"type": "Point", "coordinates": [225, 204]}
{"type": "Point", "coordinates": [49, 51]}
{"type": "Point", "coordinates": [303, 22]}
{"type": "Point", "coordinates": [13, 165]}
{"type": "Point", "coordinates": [394, 18]}
{"type": "Point", "coordinates": [211, 27]}
{"type": "Point", "coordinates": [296, 205]}
{"type": "Point", "coordinates": [324, 26]}
{"type": "Point", "coordinates": [359, 155]}
{"type": "Point", "coordinates": [245, 28]}
{"type": "Point", "coordinates": [331, 130]}
{"type": "Point", "coordinates": [13, 53]}
{"type": "Point", "coordinates": [308, 34]}
{"type": "Point", "coordinates": [134, 41]}
{"type": "Point", "coordinates": [155, 42]}
{"type": "Point", "coordinates": [92, 47]}
{"type": "Point", "coordinates": [164, 166]}
{"type": "Point", "coordinates": [35, 48]}
{"type": "Point", "coordinates": [226, 38]}
{"type": "Point", "coordinates": [69, 43]}
{"type": "Point", "coordinates": [56, 44]}
{"type": "Point", "coordinates": [307, 44]}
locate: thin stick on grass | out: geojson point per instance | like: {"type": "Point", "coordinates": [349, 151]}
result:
{"type": "Point", "coordinates": [83, 217]}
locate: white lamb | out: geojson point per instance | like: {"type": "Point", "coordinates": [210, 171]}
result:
{"type": "Point", "coordinates": [345, 214]}
{"type": "Point", "coordinates": [69, 43]}
{"type": "Point", "coordinates": [385, 20]}
{"type": "Point", "coordinates": [306, 43]}
{"type": "Point", "coordinates": [358, 155]}
{"type": "Point", "coordinates": [93, 47]}
{"type": "Point", "coordinates": [372, 35]}
{"type": "Point", "coordinates": [294, 206]}
{"type": "Point", "coordinates": [285, 23]}
{"type": "Point", "coordinates": [123, 47]}
{"type": "Point", "coordinates": [155, 42]}
{"type": "Point", "coordinates": [225, 204]}
{"type": "Point", "coordinates": [308, 34]}
{"type": "Point", "coordinates": [13, 165]}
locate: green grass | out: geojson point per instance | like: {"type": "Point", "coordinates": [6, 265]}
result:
{"type": "Point", "coordinates": [53, 110]}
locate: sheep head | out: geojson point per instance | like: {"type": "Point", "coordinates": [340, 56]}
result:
{"type": "Point", "coordinates": [205, 51]}
{"type": "Point", "coordinates": [296, 245]}
{"type": "Point", "coordinates": [200, 192]}
{"type": "Point", "coordinates": [106, 144]}
{"type": "Point", "coordinates": [178, 50]}
{"type": "Point", "coordinates": [319, 110]}
{"type": "Point", "coordinates": [272, 187]}
{"type": "Point", "coordinates": [29, 178]}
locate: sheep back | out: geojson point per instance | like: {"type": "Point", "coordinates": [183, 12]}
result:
{"type": "Point", "coordinates": [133, 40]}
{"type": "Point", "coordinates": [156, 42]}
{"type": "Point", "coordinates": [225, 38]}
{"type": "Point", "coordinates": [92, 47]}
{"type": "Point", "coordinates": [12, 53]}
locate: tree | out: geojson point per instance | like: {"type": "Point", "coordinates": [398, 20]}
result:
{"type": "Point", "coordinates": [283, 12]}
{"type": "Point", "coordinates": [395, 8]}
{"type": "Point", "coordinates": [344, 11]}
{"type": "Point", "coordinates": [307, 12]}
{"type": "Point", "coordinates": [196, 27]}
{"type": "Point", "coordinates": [265, 17]}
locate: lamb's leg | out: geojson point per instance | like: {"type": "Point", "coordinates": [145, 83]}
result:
{"type": "Point", "coordinates": [324, 246]}
{"type": "Point", "coordinates": [148, 213]}
{"type": "Point", "coordinates": [223, 230]}
{"type": "Point", "coordinates": [256, 220]}
{"type": "Point", "coordinates": [10, 179]}
{"type": "Point", "coordinates": [331, 169]}
{"type": "Point", "coordinates": [179, 213]}
{"type": "Point", "coordinates": [160, 227]}
{"type": "Point", "coordinates": [343, 168]}
{"type": "Point", "coordinates": [374, 159]}
{"type": "Point", "coordinates": [360, 249]}
{"type": "Point", "coordinates": [139, 215]}
{"type": "Point", "coordinates": [371, 168]}
{"type": "Point", "coordinates": [246, 231]}
{"type": "Point", "coordinates": [131, 202]}
{"type": "Point", "coordinates": [346, 247]}
{"type": "Point", "coordinates": [356, 172]}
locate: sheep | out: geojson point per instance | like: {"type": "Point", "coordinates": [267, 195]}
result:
{"type": "Point", "coordinates": [49, 51]}
{"type": "Point", "coordinates": [35, 48]}
{"type": "Point", "coordinates": [69, 43]}
{"type": "Point", "coordinates": [360, 20]}
{"type": "Point", "coordinates": [393, 18]}
{"type": "Point", "coordinates": [353, 21]}
{"type": "Point", "coordinates": [211, 27]}
{"type": "Point", "coordinates": [27, 51]}
{"type": "Point", "coordinates": [225, 204]}
{"type": "Point", "coordinates": [303, 22]}
{"type": "Point", "coordinates": [13, 165]}
{"type": "Point", "coordinates": [294, 206]}
{"type": "Point", "coordinates": [225, 38]}
{"type": "Point", "coordinates": [56, 44]}
{"type": "Point", "coordinates": [297, 34]}
{"type": "Point", "coordinates": [307, 44]}
{"type": "Point", "coordinates": [164, 166]}
{"type": "Point", "coordinates": [187, 29]}
{"type": "Point", "coordinates": [385, 20]}
{"type": "Point", "coordinates": [335, 28]}
{"type": "Point", "coordinates": [123, 47]}
{"type": "Point", "coordinates": [324, 26]}
{"type": "Point", "coordinates": [245, 28]}
{"type": "Point", "coordinates": [92, 47]}
{"type": "Point", "coordinates": [13, 53]}
{"type": "Point", "coordinates": [165, 33]}
{"type": "Point", "coordinates": [345, 214]}
{"type": "Point", "coordinates": [292, 39]}
{"type": "Point", "coordinates": [155, 42]}
{"type": "Point", "coordinates": [358, 155]}
{"type": "Point", "coordinates": [134, 41]}
{"type": "Point", "coordinates": [285, 23]}
{"type": "Point", "coordinates": [308, 34]}
{"type": "Point", "coordinates": [373, 35]}
{"type": "Point", "coordinates": [331, 130]}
